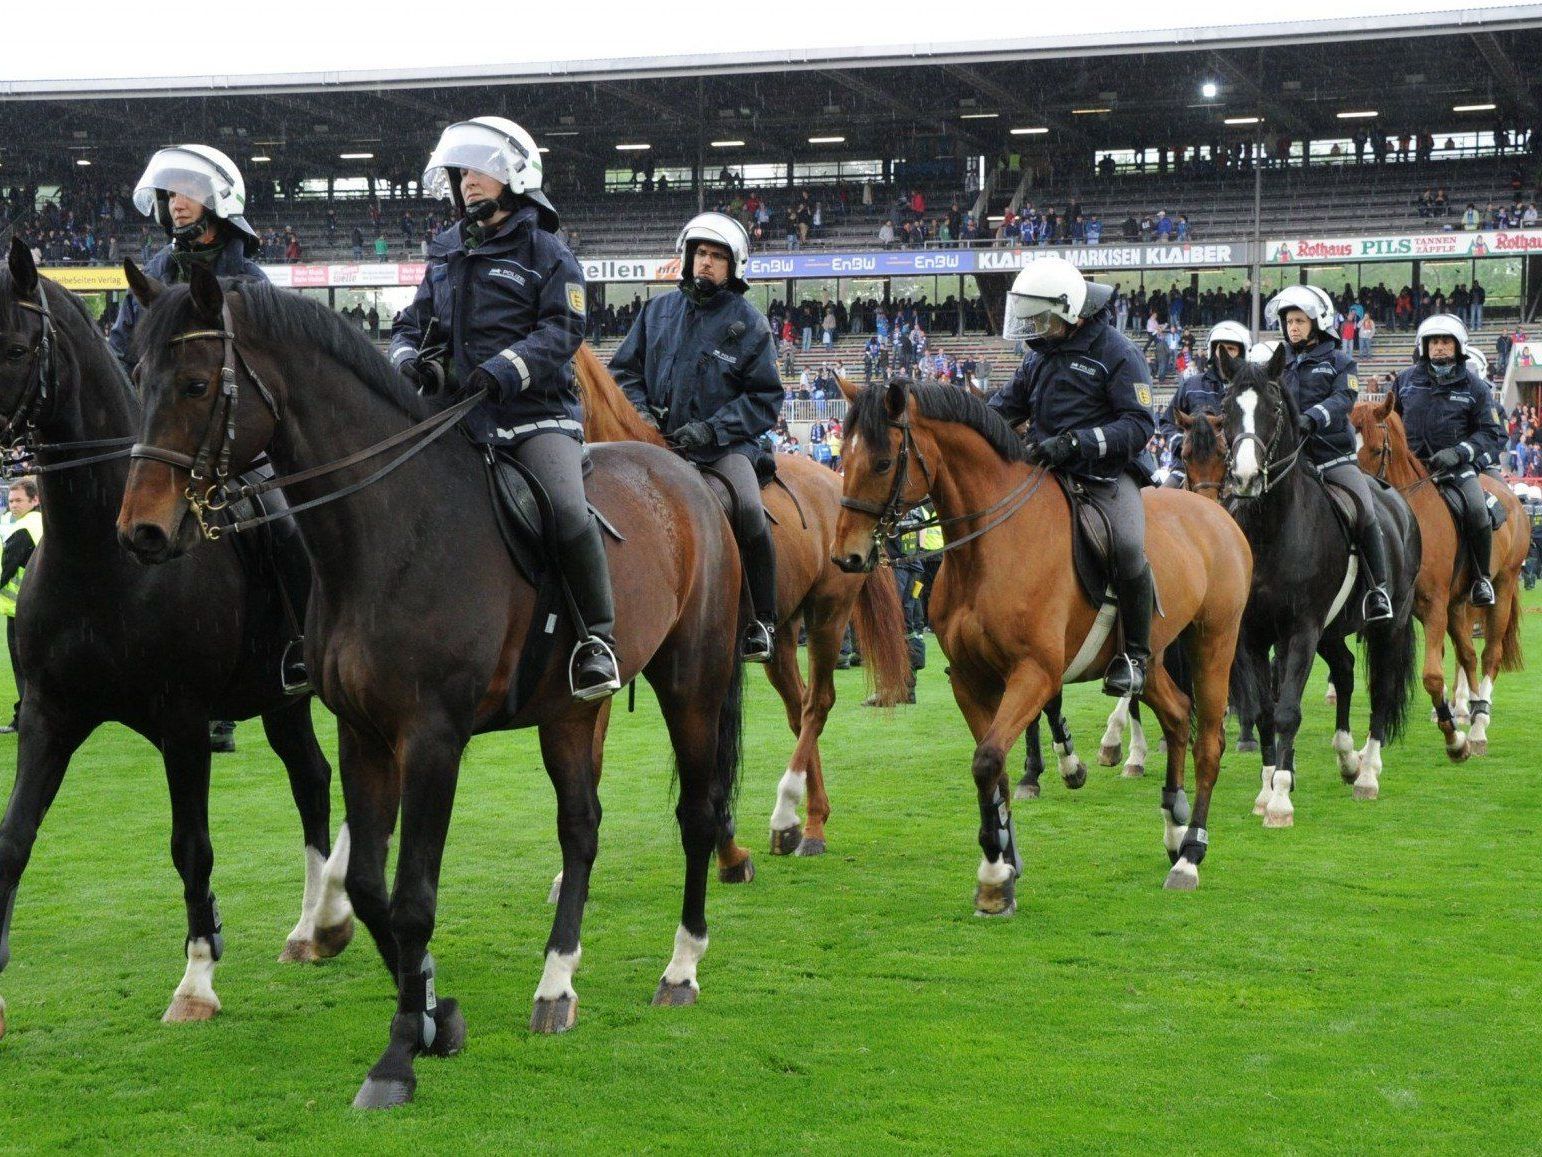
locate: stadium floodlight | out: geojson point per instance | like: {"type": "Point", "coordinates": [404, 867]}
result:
{"type": "Point", "coordinates": [563, 133]}
{"type": "Point", "coordinates": [542, 149]}
{"type": "Point", "coordinates": [1361, 115]}
{"type": "Point", "coordinates": [727, 144]}
{"type": "Point", "coordinates": [1209, 89]}
{"type": "Point", "coordinates": [1244, 120]}
{"type": "Point", "coordinates": [261, 160]}
{"type": "Point", "coordinates": [827, 140]}
{"type": "Point", "coordinates": [83, 162]}
{"type": "Point", "coordinates": [1037, 131]}
{"type": "Point", "coordinates": [356, 156]}
{"type": "Point", "coordinates": [1089, 112]}
{"type": "Point", "coordinates": [1473, 107]}
{"type": "Point", "coordinates": [637, 147]}
{"type": "Point", "coordinates": [978, 116]}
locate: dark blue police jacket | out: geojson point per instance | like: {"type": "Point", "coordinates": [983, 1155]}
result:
{"type": "Point", "coordinates": [1324, 384]}
{"type": "Point", "coordinates": [231, 262]}
{"type": "Point", "coordinates": [1198, 394]}
{"type": "Point", "coordinates": [1461, 414]}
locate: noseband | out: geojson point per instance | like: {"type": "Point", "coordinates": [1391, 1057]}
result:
{"type": "Point", "coordinates": [1266, 462]}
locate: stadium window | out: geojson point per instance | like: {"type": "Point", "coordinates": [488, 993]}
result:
{"type": "Point", "coordinates": [628, 179]}
{"type": "Point", "coordinates": [828, 172]}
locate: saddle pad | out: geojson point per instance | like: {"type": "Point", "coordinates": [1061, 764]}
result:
{"type": "Point", "coordinates": [1497, 514]}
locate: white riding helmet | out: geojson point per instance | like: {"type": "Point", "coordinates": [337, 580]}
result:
{"type": "Point", "coordinates": [1309, 299]}
{"type": "Point", "coordinates": [1441, 325]}
{"type": "Point", "coordinates": [1229, 331]}
{"type": "Point", "coordinates": [1049, 287]}
{"type": "Point", "coordinates": [495, 146]}
{"type": "Point", "coordinates": [1477, 362]}
{"type": "Point", "coordinates": [1262, 352]}
{"type": "Point", "coordinates": [202, 173]}
{"type": "Point", "coordinates": [720, 229]}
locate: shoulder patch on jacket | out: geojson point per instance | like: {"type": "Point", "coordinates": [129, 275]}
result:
{"type": "Point", "coordinates": [1354, 383]}
{"type": "Point", "coordinates": [575, 297]}
{"type": "Point", "coordinates": [1143, 393]}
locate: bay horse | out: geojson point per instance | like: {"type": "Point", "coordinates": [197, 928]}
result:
{"type": "Point", "coordinates": [1304, 578]}
{"type": "Point", "coordinates": [810, 591]}
{"type": "Point", "coordinates": [419, 615]}
{"type": "Point", "coordinates": [1441, 595]}
{"type": "Point", "coordinates": [103, 639]}
{"type": "Point", "coordinates": [1009, 611]}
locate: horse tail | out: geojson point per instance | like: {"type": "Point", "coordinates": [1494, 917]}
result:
{"type": "Point", "coordinates": [880, 625]}
{"type": "Point", "coordinates": [1389, 650]}
{"type": "Point", "coordinates": [1511, 656]}
{"type": "Point", "coordinates": [730, 732]}
{"type": "Point", "coordinates": [1249, 687]}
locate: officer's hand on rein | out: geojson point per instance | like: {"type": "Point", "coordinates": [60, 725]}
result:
{"type": "Point", "coordinates": [1056, 451]}
{"type": "Point", "coordinates": [1448, 459]}
{"type": "Point", "coordinates": [427, 374]}
{"type": "Point", "coordinates": [693, 436]}
{"type": "Point", "coordinates": [1306, 425]}
{"type": "Point", "coordinates": [480, 379]}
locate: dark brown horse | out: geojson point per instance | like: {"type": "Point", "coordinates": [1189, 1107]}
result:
{"type": "Point", "coordinates": [1442, 592]}
{"type": "Point", "coordinates": [1011, 616]}
{"type": "Point", "coordinates": [161, 651]}
{"type": "Point", "coordinates": [811, 591]}
{"type": "Point", "coordinates": [419, 616]}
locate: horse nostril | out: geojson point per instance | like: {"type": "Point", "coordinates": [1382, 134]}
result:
{"type": "Point", "coordinates": [148, 539]}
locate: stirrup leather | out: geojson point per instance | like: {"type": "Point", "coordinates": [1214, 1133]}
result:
{"type": "Point", "coordinates": [290, 661]}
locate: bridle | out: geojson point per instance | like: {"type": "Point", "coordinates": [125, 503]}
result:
{"type": "Point", "coordinates": [1266, 462]}
{"type": "Point", "coordinates": [1188, 477]}
{"type": "Point", "coordinates": [20, 428]}
{"type": "Point", "coordinates": [210, 489]}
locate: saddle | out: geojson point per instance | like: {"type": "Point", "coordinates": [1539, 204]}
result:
{"type": "Point", "coordinates": [1091, 538]}
{"type": "Point", "coordinates": [765, 475]}
{"type": "Point", "coordinates": [1497, 515]}
{"type": "Point", "coordinates": [1342, 503]}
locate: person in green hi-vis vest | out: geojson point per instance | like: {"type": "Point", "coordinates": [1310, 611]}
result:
{"type": "Point", "coordinates": [21, 539]}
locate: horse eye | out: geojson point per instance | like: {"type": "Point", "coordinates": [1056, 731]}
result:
{"type": "Point", "coordinates": [15, 353]}
{"type": "Point", "coordinates": [882, 465]}
{"type": "Point", "coordinates": [196, 388]}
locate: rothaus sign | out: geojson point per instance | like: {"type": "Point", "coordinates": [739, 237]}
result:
{"type": "Point", "coordinates": [1404, 247]}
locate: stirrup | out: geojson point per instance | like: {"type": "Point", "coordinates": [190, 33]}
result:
{"type": "Point", "coordinates": [1482, 592]}
{"type": "Point", "coordinates": [607, 686]}
{"type": "Point", "coordinates": [759, 641]}
{"type": "Point", "coordinates": [1377, 606]}
{"type": "Point", "coordinates": [1125, 677]}
{"type": "Point", "coordinates": [292, 673]}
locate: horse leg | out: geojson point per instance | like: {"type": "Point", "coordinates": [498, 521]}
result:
{"type": "Point", "coordinates": [46, 741]}
{"type": "Point", "coordinates": [1135, 763]}
{"type": "Point", "coordinates": [1341, 670]}
{"type": "Point", "coordinates": [1171, 706]}
{"type": "Point", "coordinates": [372, 795]}
{"type": "Point", "coordinates": [1296, 665]}
{"type": "Point", "coordinates": [1210, 661]}
{"type": "Point", "coordinates": [185, 752]}
{"type": "Point", "coordinates": [1459, 631]}
{"type": "Point", "coordinates": [1495, 630]}
{"type": "Point", "coordinates": [782, 670]}
{"type": "Point", "coordinates": [1033, 762]}
{"type": "Point", "coordinates": [426, 762]}
{"type": "Point", "coordinates": [824, 647]}
{"type": "Point", "coordinates": [1072, 770]}
{"type": "Point", "coordinates": [326, 920]}
{"type": "Point", "coordinates": [1258, 654]}
{"type": "Point", "coordinates": [1434, 674]}
{"type": "Point", "coordinates": [597, 759]}
{"type": "Point", "coordinates": [1111, 746]}
{"type": "Point", "coordinates": [567, 749]}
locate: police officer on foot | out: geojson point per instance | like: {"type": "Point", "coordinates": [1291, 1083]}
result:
{"type": "Point", "coordinates": [700, 365]}
{"type": "Point", "coordinates": [1202, 393]}
{"type": "Point", "coordinates": [22, 537]}
{"type": "Point", "coordinates": [1322, 380]}
{"type": "Point", "coordinates": [1086, 393]}
{"type": "Point", "coordinates": [1455, 429]}
{"type": "Point", "coordinates": [507, 301]}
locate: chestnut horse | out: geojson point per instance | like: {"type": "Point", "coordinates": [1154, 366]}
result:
{"type": "Point", "coordinates": [810, 590]}
{"type": "Point", "coordinates": [419, 616]}
{"type": "Point", "coordinates": [1010, 614]}
{"type": "Point", "coordinates": [1445, 578]}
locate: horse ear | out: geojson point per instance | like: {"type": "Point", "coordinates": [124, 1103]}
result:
{"type": "Point", "coordinates": [1217, 423]}
{"type": "Point", "coordinates": [1226, 364]}
{"type": "Point", "coordinates": [1384, 407]}
{"type": "Point", "coordinates": [848, 388]}
{"type": "Point", "coordinates": [204, 288]}
{"type": "Point", "coordinates": [1277, 362]}
{"type": "Point", "coordinates": [1183, 420]}
{"type": "Point", "coordinates": [144, 287]}
{"type": "Point", "coordinates": [897, 398]}
{"type": "Point", "coordinates": [23, 268]}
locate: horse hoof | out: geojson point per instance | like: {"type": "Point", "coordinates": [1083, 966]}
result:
{"type": "Point", "coordinates": [382, 1094]}
{"type": "Point", "coordinates": [785, 841]}
{"type": "Point", "coordinates": [1134, 770]}
{"type": "Point", "coordinates": [298, 952]}
{"type": "Point", "coordinates": [1077, 778]}
{"type": "Point", "coordinates": [1108, 755]}
{"type": "Point", "coordinates": [1460, 754]}
{"type": "Point", "coordinates": [330, 942]}
{"type": "Point", "coordinates": [1026, 791]}
{"type": "Point", "coordinates": [451, 1035]}
{"type": "Point", "coordinates": [996, 899]}
{"type": "Point", "coordinates": [1247, 746]}
{"type": "Point", "coordinates": [1183, 878]}
{"type": "Point", "coordinates": [675, 995]}
{"type": "Point", "coordinates": [740, 873]}
{"type": "Point", "coordinates": [811, 846]}
{"type": "Point", "coordinates": [1478, 746]}
{"type": "Point", "coordinates": [187, 1009]}
{"type": "Point", "coordinates": [554, 1016]}
{"type": "Point", "coordinates": [1277, 820]}
{"type": "Point", "coordinates": [1364, 791]}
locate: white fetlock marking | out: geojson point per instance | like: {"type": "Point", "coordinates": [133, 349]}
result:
{"type": "Point", "coordinates": [1185, 869]}
{"type": "Point", "coordinates": [1279, 805]}
{"type": "Point", "coordinates": [1262, 799]}
{"type": "Point", "coordinates": [1370, 757]}
{"type": "Point", "coordinates": [1331, 695]}
{"type": "Point", "coordinates": [1456, 741]}
{"type": "Point", "coordinates": [1172, 831]}
{"type": "Point", "coordinates": [688, 953]}
{"type": "Point", "coordinates": [198, 980]}
{"type": "Point", "coordinates": [1344, 745]}
{"type": "Point", "coordinates": [1067, 758]}
{"type": "Point", "coordinates": [994, 874]}
{"type": "Point", "coordinates": [1138, 748]}
{"type": "Point", "coordinates": [789, 797]}
{"type": "Point", "coordinates": [1118, 720]}
{"type": "Point", "coordinates": [557, 976]}
{"type": "Point", "coordinates": [332, 906]}
{"type": "Point", "coordinates": [315, 865]}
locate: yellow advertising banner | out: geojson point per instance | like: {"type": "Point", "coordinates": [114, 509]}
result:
{"type": "Point", "coordinates": [87, 279]}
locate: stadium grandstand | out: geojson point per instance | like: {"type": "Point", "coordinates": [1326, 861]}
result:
{"type": "Point", "coordinates": [1396, 164]}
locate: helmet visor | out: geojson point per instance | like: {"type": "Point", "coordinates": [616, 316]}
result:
{"type": "Point", "coordinates": [175, 171]}
{"type": "Point", "coordinates": [1028, 317]}
{"type": "Point", "coordinates": [475, 147]}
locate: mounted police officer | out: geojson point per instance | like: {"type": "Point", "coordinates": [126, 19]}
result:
{"type": "Point", "coordinates": [701, 366]}
{"type": "Point", "coordinates": [198, 196]}
{"type": "Point", "coordinates": [1086, 392]}
{"type": "Point", "coordinates": [1202, 393]}
{"type": "Point", "coordinates": [1455, 429]}
{"type": "Point", "coordinates": [501, 308]}
{"type": "Point", "coordinates": [1322, 380]}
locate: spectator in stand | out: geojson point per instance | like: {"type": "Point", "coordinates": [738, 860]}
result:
{"type": "Point", "coordinates": [1470, 218]}
{"type": "Point", "coordinates": [382, 247]}
{"type": "Point", "coordinates": [358, 244]}
{"type": "Point", "coordinates": [1367, 335]}
{"type": "Point", "coordinates": [1477, 295]}
{"type": "Point", "coordinates": [828, 325]}
{"type": "Point", "coordinates": [291, 246]}
{"type": "Point", "coordinates": [1094, 230]}
{"type": "Point", "coordinates": [1163, 226]}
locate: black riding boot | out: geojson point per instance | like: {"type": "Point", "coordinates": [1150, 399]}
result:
{"type": "Point", "coordinates": [592, 670]}
{"type": "Point", "coordinates": [294, 575]}
{"type": "Point", "coordinates": [1126, 675]}
{"type": "Point", "coordinates": [222, 736]}
{"type": "Point", "coordinates": [1480, 541]}
{"type": "Point", "coordinates": [1377, 607]}
{"type": "Point", "coordinates": [759, 558]}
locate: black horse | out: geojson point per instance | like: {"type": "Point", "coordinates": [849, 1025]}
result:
{"type": "Point", "coordinates": [1304, 575]}
{"type": "Point", "coordinates": [419, 617]}
{"type": "Point", "coordinates": [103, 638]}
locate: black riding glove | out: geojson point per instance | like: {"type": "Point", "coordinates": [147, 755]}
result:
{"type": "Point", "coordinates": [480, 379]}
{"type": "Point", "coordinates": [1307, 425]}
{"type": "Point", "coordinates": [1056, 451]}
{"type": "Point", "coordinates": [1448, 459]}
{"type": "Point", "coordinates": [693, 436]}
{"type": "Point", "coordinates": [427, 374]}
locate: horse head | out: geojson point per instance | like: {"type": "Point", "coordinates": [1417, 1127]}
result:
{"type": "Point", "coordinates": [1379, 436]}
{"type": "Point", "coordinates": [29, 379]}
{"type": "Point", "coordinates": [1259, 424]}
{"type": "Point", "coordinates": [876, 458]}
{"type": "Point", "coordinates": [1204, 452]}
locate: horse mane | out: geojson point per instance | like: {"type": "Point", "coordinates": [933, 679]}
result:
{"type": "Point", "coordinates": [609, 415]}
{"type": "Point", "coordinates": [869, 415]}
{"type": "Point", "coordinates": [1397, 436]}
{"type": "Point", "coordinates": [1201, 442]}
{"type": "Point", "coordinates": [288, 320]}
